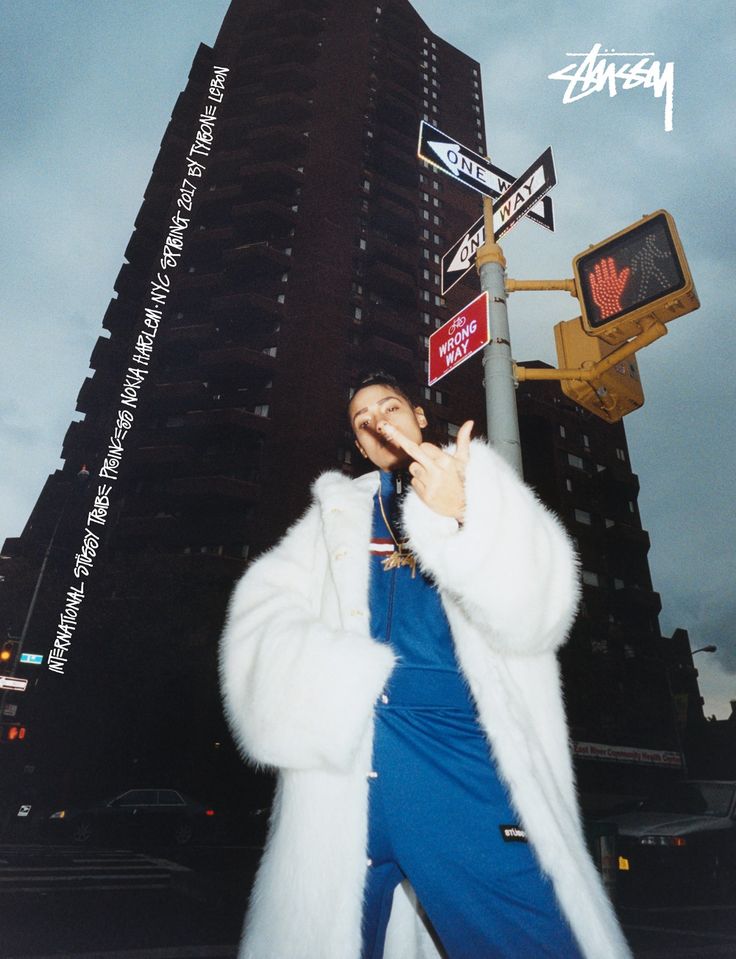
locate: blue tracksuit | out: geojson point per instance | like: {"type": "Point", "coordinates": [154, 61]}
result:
{"type": "Point", "coordinates": [438, 812]}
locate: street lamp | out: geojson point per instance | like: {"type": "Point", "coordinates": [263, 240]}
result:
{"type": "Point", "coordinates": [710, 648]}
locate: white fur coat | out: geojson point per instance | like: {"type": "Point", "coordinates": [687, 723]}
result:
{"type": "Point", "coordinates": [300, 675]}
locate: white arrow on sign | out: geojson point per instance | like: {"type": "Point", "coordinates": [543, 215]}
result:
{"type": "Point", "coordinates": [459, 161]}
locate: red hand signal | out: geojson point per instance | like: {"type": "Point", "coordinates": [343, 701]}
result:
{"type": "Point", "coordinates": [607, 285]}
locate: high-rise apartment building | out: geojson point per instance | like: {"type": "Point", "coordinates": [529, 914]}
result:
{"type": "Point", "coordinates": [312, 253]}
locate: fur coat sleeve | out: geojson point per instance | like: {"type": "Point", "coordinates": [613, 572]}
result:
{"type": "Point", "coordinates": [298, 690]}
{"type": "Point", "coordinates": [510, 567]}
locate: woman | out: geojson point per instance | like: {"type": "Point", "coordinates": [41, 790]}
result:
{"type": "Point", "coordinates": [373, 657]}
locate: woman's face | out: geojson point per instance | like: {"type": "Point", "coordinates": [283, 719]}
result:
{"type": "Point", "coordinates": [373, 406]}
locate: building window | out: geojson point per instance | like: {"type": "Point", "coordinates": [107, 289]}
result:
{"type": "Point", "coordinates": [563, 433]}
{"type": "Point", "coordinates": [262, 410]}
{"type": "Point", "coordinates": [632, 508]}
{"type": "Point", "coordinates": [358, 313]}
{"type": "Point", "coordinates": [609, 523]}
{"type": "Point", "coordinates": [583, 516]}
{"type": "Point", "coordinates": [568, 485]}
{"type": "Point", "coordinates": [426, 393]}
{"type": "Point", "coordinates": [425, 295]}
{"type": "Point", "coordinates": [441, 399]}
{"type": "Point", "coordinates": [620, 455]}
{"type": "Point", "coordinates": [590, 578]}
{"type": "Point", "coordinates": [575, 461]}
{"type": "Point", "coordinates": [439, 301]}
{"type": "Point", "coordinates": [586, 441]}
{"type": "Point", "coordinates": [362, 244]}
{"type": "Point", "coordinates": [425, 318]}
{"type": "Point", "coordinates": [452, 429]}
{"type": "Point", "coordinates": [619, 584]}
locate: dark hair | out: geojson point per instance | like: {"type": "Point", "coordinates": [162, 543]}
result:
{"type": "Point", "coordinates": [382, 378]}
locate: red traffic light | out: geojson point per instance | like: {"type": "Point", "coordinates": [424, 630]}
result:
{"type": "Point", "coordinates": [16, 732]}
{"type": "Point", "coordinates": [640, 274]}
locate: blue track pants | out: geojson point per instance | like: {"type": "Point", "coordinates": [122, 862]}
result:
{"type": "Point", "coordinates": [436, 808]}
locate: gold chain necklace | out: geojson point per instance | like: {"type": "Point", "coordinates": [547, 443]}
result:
{"type": "Point", "coordinates": [401, 556]}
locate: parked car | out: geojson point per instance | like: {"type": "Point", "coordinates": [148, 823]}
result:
{"type": "Point", "coordinates": [161, 815]}
{"type": "Point", "coordinates": [682, 839]}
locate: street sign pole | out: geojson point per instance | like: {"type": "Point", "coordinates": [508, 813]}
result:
{"type": "Point", "coordinates": [501, 414]}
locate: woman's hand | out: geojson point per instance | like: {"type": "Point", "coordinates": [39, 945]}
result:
{"type": "Point", "coordinates": [437, 476]}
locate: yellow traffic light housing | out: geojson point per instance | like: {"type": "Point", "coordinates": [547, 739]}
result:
{"type": "Point", "coordinates": [613, 392]}
{"type": "Point", "coordinates": [634, 278]}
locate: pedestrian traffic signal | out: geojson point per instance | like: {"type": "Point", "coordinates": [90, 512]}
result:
{"type": "Point", "coordinates": [611, 395]}
{"type": "Point", "coordinates": [636, 276]}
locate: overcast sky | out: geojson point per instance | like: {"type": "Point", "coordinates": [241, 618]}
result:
{"type": "Point", "coordinates": [86, 90]}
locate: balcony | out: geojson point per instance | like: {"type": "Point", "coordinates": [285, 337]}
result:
{"type": "Point", "coordinates": [294, 49]}
{"type": "Point", "coordinates": [253, 260]}
{"type": "Point", "coordinates": [103, 354]}
{"type": "Point", "coordinates": [261, 219]}
{"type": "Point", "coordinates": [277, 143]}
{"type": "Point", "coordinates": [288, 77]}
{"type": "Point", "coordinates": [379, 349]}
{"type": "Point", "coordinates": [636, 602]}
{"type": "Point", "coordinates": [119, 317]}
{"type": "Point", "coordinates": [383, 319]}
{"type": "Point", "coordinates": [233, 358]}
{"type": "Point", "coordinates": [216, 488]}
{"type": "Point", "coordinates": [180, 393]}
{"type": "Point", "coordinates": [396, 284]}
{"type": "Point", "coordinates": [165, 455]}
{"type": "Point", "coordinates": [302, 22]}
{"type": "Point", "coordinates": [247, 306]}
{"type": "Point", "coordinates": [283, 107]}
{"type": "Point", "coordinates": [130, 282]}
{"type": "Point", "coordinates": [622, 535]}
{"type": "Point", "coordinates": [229, 418]}
{"type": "Point", "coordinates": [74, 438]}
{"type": "Point", "coordinates": [266, 180]}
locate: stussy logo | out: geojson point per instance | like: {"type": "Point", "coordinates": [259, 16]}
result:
{"type": "Point", "coordinates": [593, 73]}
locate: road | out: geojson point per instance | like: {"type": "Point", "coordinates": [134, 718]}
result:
{"type": "Point", "coordinates": [66, 902]}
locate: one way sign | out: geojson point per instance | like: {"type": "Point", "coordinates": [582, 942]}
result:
{"type": "Point", "coordinates": [516, 201]}
{"type": "Point", "coordinates": [459, 161]}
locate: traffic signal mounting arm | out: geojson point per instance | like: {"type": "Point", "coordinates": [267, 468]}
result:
{"type": "Point", "coordinates": [568, 286]}
{"type": "Point", "coordinates": [653, 331]}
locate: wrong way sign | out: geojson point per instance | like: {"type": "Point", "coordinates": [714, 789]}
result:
{"type": "Point", "coordinates": [458, 339]}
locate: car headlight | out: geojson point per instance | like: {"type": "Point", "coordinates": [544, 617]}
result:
{"type": "Point", "coordinates": [58, 815]}
{"type": "Point", "coordinates": [662, 841]}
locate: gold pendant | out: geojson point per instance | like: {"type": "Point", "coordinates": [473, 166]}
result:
{"type": "Point", "coordinates": [400, 558]}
